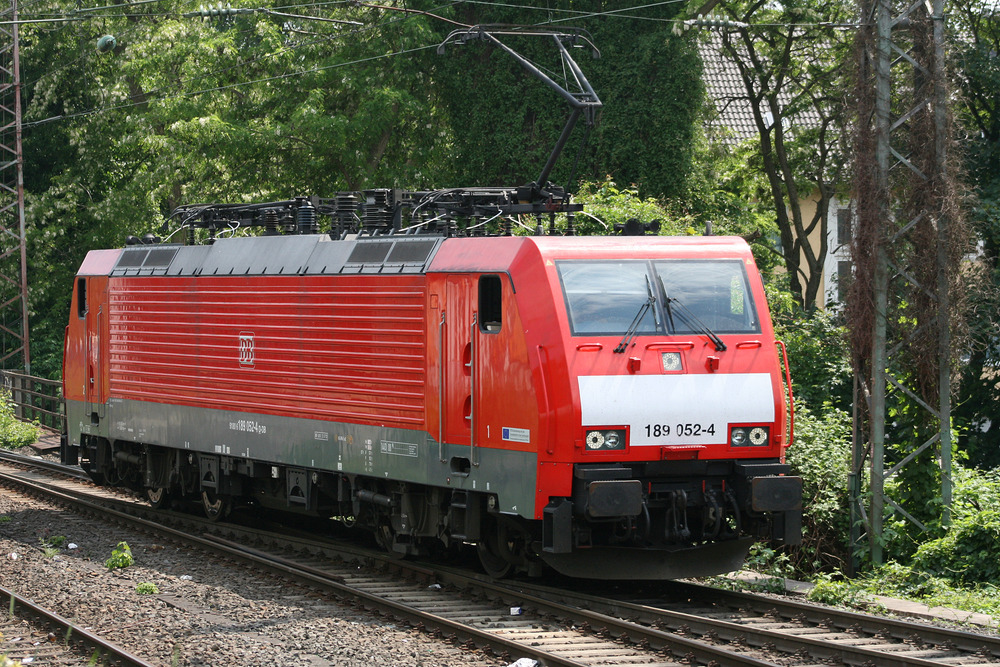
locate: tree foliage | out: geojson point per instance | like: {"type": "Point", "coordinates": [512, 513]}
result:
{"type": "Point", "coordinates": [257, 105]}
{"type": "Point", "coordinates": [790, 61]}
{"type": "Point", "coordinates": [505, 125]}
{"type": "Point", "coordinates": [977, 39]}
{"type": "Point", "coordinates": [818, 356]}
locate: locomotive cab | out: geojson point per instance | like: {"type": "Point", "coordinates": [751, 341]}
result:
{"type": "Point", "coordinates": [679, 426]}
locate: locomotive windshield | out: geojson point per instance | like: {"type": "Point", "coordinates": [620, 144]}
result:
{"type": "Point", "coordinates": [603, 297]}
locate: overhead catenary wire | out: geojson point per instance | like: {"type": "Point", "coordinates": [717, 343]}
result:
{"type": "Point", "coordinates": [174, 15]}
{"type": "Point", "coordinates": [231, 86]}
{"type": "Point", "coordinates": [245, 32]}
{"type": "Point", "coordinates": [576, 15]}
{"type": "Point", "coordinates": [156, 94]}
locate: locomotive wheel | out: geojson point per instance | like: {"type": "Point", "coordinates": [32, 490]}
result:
{"type": "Point", "coordinates": [158, 497]}
{"type": "Point", "coordinates": [498, 550]}
{"type": "Point", "coordinates": [216, 507]}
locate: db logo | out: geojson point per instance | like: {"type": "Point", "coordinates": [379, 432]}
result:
{"type": "Point", "coordinates": [246, 349]}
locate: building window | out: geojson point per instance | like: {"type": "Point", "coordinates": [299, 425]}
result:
{"type": "Point", "coordinates": [844, 226]}
{"type": "Point", "coordinates": [843, 279]}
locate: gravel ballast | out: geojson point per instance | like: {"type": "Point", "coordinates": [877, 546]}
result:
{"type": "Point", "coordinates": [206, 612]}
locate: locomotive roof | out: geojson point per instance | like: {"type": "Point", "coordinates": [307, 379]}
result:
{"type": "Point", "coordinates": [313, 254]}
{"type": "Point", "coordinates": [319, 255]}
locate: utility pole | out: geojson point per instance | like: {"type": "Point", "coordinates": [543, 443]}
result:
{"type": "Point", "coordinates": [904, 259]}
{"type": "Point", "coordinates": [15, 353]}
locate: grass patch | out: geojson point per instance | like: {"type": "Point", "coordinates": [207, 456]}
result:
{"type": "Point", "coordinates": [14, 433]}
{"type": "Point", "coordinates": [900, 581]}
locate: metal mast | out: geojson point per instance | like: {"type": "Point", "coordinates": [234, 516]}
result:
{"type": "Point", "coordinates": [15, 352]}
{"type": "Point", "coordinates": [904, 262]}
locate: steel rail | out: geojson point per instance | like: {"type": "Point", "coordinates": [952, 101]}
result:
{"type": "Point", "coordinates": [655, 639]}
{"type": "Point", "coordinates": [52, 466]}
{"type": "Point", "coordinates": [461, 632]}
{"type": "Point", "coordinates": [732, 631]}
{"type": "Point", "coordinates": [845, 619]}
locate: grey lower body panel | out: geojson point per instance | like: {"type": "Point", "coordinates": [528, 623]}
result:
{"type": "Point", "coordinates": [373, 451]}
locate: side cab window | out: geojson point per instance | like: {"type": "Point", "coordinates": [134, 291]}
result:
{"type": "Point", "coordinates": [81, 297]}
{"type": "Point", "coordinates": [490, 304]}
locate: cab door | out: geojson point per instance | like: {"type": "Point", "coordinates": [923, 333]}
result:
{"type": "Point", "coordinates": [458, 359]}
{"type": "Point", "coordinates": [95, 343]}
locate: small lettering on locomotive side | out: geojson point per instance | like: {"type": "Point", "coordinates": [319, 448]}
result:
{"type": "Point", "coordinates": [248, 426]}
{"type": "Point", "coordinates": [516, 434]}
{"type": "Point", "coordinates": [398, 448]}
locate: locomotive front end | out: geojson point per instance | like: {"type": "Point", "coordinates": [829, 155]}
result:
{"type": "Point", "coordinates": [680, 424]}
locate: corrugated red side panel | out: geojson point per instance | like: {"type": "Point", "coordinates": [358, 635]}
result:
{"type": "Point", "coordinates": [342, 348]}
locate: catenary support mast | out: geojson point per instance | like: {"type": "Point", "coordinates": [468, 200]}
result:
{"type": "Point", "coordinates": [15, 353]}
{"type": "Point", "coordinates": [904, 256]}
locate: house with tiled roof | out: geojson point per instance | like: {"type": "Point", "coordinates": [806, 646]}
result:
{"type": "Point", "coordinates": [733, 123]}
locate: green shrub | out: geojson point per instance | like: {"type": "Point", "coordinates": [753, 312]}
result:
{"type": "Point", "coordinates": [772, 564]}
{"type": "Point", "coordinates": [901, 581]}
{"type": "Point", "coordinates": [147, 588]}
{"type": "Point", "coordinates": [821, 456]}
{"type": "Point", "coordinates": [817, 355]}
{"type": "Point", "coordinates": [121, 557]}
{"type": "Point", "coordinates": [968, 553]}
{"type": "Point", "coordinates": [14, 433]}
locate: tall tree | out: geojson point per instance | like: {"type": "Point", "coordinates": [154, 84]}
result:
{"type": "Point", "coordinates": [976, 36]}
{"type": "Point", "coordinates": [789, 56]}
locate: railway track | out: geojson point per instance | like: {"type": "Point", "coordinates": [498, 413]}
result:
{"type": "Point", "coordinates": [555, 626]}
{"type": "Point", "coordinates": [37, 636]}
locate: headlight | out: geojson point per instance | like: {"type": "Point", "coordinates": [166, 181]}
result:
{"type": "Point", "coordinates": [599, 440]}
{"type": "Point", "coordinates": [749, 436]}
{"type": "Point", "coordinates": [595, 440]}
{"type": "Point", "coordinates": [671, 361]}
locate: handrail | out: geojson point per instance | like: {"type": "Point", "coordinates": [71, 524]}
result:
{"type": "Point", "coordinates": [441, 397]}
{"type": "Point", "coordinates": [542, 365]}
{"type": "Point", "coordinates": [472, 388]}
{"type": "Point", "coordinates": [791, 398]}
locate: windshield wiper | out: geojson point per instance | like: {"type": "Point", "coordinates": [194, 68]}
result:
{"type": "Point", "coordinates": [689, 318]}
{"type": "Point", "coordinates": [634, 327]}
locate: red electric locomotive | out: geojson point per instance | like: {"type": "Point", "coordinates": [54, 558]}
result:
{"type": "Point", "coordinates": [610, 406]}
